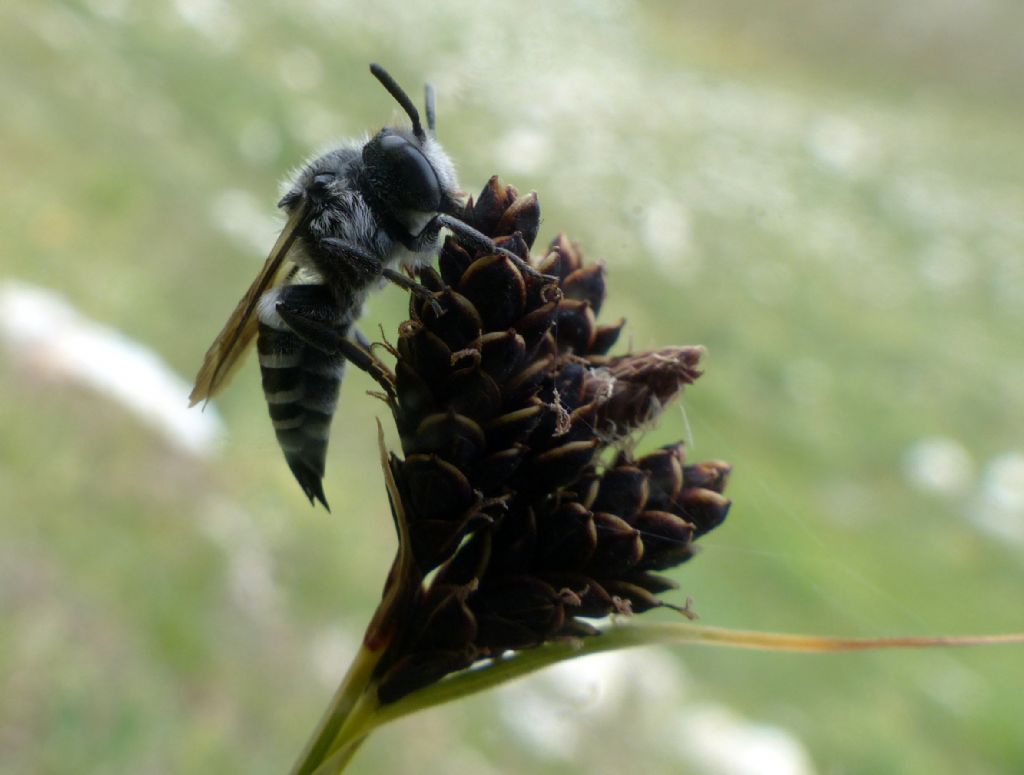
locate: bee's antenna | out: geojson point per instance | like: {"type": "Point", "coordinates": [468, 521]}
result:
{"type": "Point", "coordinates": [429, 99]}
{"type": "Point", "coordinates": [401, 97]}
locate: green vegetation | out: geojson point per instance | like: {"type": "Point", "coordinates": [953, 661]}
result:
{"type": "Point", "coordinates": [833, 204]}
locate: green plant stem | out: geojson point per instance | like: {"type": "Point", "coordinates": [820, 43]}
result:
{"type": "Point", "coordinates": [356, 712]}
{"type": "Point", "coordinates": [632, 634]}
{"type": "Point", "coordinates": [350, 735]}
{"type": "Point", "coordinates": [358, 720]}
{"type": "Point", "coordinates": [336, 762]}
{"type": "Point", "coordinates": [338, 736]}
{"type": "Point", "coordinates": [346, 698]}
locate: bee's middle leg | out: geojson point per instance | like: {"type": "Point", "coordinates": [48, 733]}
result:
{"type": "Point", "coordinates": [366, 267]}
{"type": "Point", "coordinates": [414, 288]}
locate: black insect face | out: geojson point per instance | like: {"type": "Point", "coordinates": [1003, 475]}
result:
{"type": "Point", "coordinates": [399, 174]}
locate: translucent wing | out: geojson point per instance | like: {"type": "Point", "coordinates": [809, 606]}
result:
{"type": "Point", "coordinates": [231, 343]}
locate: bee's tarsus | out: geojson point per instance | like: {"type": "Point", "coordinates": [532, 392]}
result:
{"type": "Point", "coordinates": [415, 288]}
{"type": "Point", "coordinates": [364, 360]}
{"type": "Point", "coordinates": [527, 268]}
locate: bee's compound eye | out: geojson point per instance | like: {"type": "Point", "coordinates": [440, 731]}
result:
{"type": "Point", "coordinates": [407, 175]}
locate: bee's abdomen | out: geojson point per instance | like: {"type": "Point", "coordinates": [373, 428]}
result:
{"type": "Point", "coordinates": [301, 383]}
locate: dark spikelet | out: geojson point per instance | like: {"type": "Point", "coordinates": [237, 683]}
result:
{"type": "Point", "coordinates": [519, 526]}
{"type": "Point", "coordinates": [631, 390]}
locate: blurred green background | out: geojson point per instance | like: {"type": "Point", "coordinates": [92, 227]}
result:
{"type": "Point", "coordinates": [829, 196]}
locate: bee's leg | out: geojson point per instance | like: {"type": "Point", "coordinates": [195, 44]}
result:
{"type": "Point", "coordinates": [315, 332]}
{"type": "Point", "coordinates": [360, 353]}
{"type": "Point", "coordinates": [356, 264]}
{"type": "Point", "coordinates": [485, 244]}
{"type": "Point", "coordinates": [360, 337]}
{"type": "Point", "coordinates": [368, 266]}
{"type": "Point", "coordinates": [332, 340]}
{"type": "Point", "coordinates": [415, 288]}
{"type": "Point", "coordinates": [363, 358]}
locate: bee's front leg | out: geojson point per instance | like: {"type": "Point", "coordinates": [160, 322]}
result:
{"type": "Point", "coordinates": [484, 244]}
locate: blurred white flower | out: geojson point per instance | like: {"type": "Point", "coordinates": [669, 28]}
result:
{"type": "Point", "coordinates": [839, 142]}
{"type": "Point", "coordinates": [939, 465]}
{"type": "Point", "coordinates": [668, 235]}
{"type": "Point", "coordinates": [1000, 510]}
{"type": "Point", "coordinates": [716, 741]}
{"type": "Point", "coordinates": [641, 694]}
{"type": "Point", "coordinates": [523, 151]}
{"type": "Point", "coordinates": [300, 69]}
{"type": "Point", "coordinates": [51, 337]}
{"type": "Point", "coordinates": [551, 712]}
{"type": "Point", "coordinates": [213, 19]}
{"type": "Point", "coordinates": [259, 141]}
{"type": "Point", "coordinates": [240, 216]}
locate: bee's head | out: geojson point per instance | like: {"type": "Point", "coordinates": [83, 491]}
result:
{"type": "Point", "coordinates": [399, 168]}
{"type": "Point", "coordinates": [408, 170]}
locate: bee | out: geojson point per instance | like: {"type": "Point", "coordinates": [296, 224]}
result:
{"type": "Point", "coordinates": [356, 216]}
